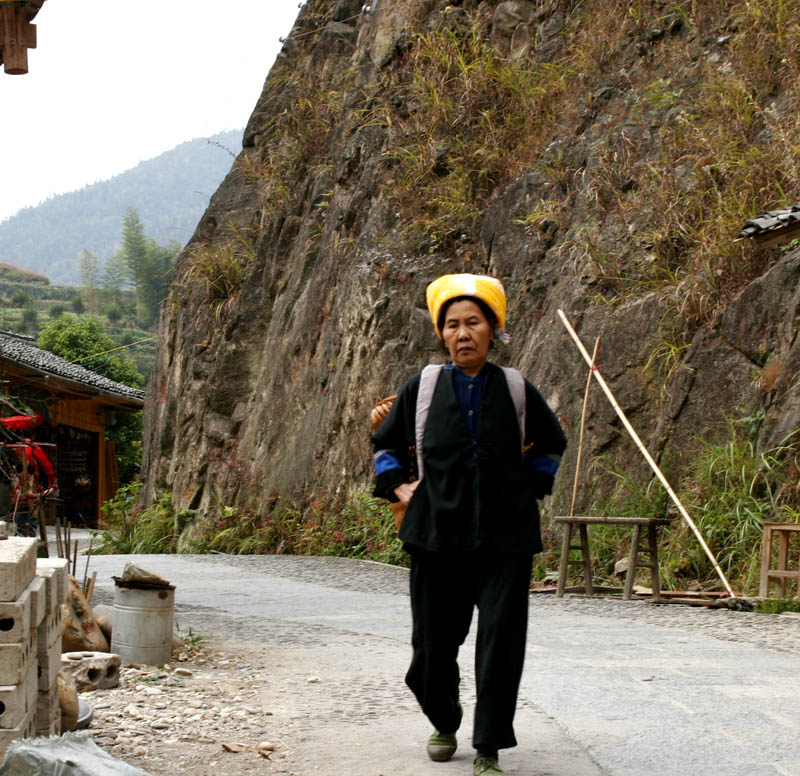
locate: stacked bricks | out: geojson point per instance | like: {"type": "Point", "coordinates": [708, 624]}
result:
{"type": "Point", "coordinates": [22, 607]}
{"type": "Point", "coordinates": [52, 576]}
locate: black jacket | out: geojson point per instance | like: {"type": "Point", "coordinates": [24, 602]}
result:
{"type": "Point", "coordinates": [472, 494]}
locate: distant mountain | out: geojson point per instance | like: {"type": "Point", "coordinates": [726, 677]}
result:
{"type": "Point", "coordinates": [170, 192]}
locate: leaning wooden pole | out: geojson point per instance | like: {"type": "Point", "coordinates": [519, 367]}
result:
{"type": "Point", "coordinates": [653, 465]}
{"type": "Point", "coordinates": [579, 459]}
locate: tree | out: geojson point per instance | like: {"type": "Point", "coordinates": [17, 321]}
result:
{"type": "Point", "coordinates": [113, 312]}
{"type": "Point", "coordinates": [90, 270]}
{"type": "Point", "coordinates": [21, 299]}
{"type": "Point", "coordinates": [30, 318]}
{"type": "Point", "coordinates": [116, 277]}
{"type": "Point", "coordinates": [84, 340]}
{"type": "Point", "coordinates": [149, 264]}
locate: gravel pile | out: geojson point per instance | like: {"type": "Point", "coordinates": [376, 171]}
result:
{"type": "Point", "coordinates": [198, 715]}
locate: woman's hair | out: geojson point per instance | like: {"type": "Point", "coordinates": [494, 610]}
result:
{"type": "Point", "coordinates": [485, 309]}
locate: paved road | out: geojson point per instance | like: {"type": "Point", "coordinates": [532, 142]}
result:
{"type": "Point", "coordinates": [610, 687]}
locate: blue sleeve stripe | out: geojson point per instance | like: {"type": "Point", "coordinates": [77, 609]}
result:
{"type": "Point", "coordinates": [385, 461]}
{"type": "Point", "coordinates": [548, 465]}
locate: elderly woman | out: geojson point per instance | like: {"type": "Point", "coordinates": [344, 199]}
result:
{"type": "Point", "coordinates": [468, 447]}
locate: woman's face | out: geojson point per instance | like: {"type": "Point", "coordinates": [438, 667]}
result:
{"type": "Point", "coordinates": [467, 335]}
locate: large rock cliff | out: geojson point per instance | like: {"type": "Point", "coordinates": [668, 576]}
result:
{"type": "Point", "coordinates": [597, 156]}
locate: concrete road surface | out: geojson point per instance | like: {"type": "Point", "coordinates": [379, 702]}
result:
{"type": "Point", "coordinates": [610, 687]}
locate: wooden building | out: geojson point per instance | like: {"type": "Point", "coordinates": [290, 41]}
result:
{"type": "Point", "coordinates": [77, 405]}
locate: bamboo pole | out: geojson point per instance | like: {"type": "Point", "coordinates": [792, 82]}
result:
{"type": "Point", "coordinates": [90, 591]}
{"type": "Point", "coordinates": [84, 586]}
{"type": "Point", "coordinates": [74, 559]}
{"type": "Point", "coordinates": [583, 426]}
{"type": "Point", "coordinates": [653, 465]}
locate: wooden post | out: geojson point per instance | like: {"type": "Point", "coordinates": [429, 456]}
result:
{"type": "Point", "coordinates": [633, 559]}
{"type": "Point", "coordinates": [649, 458]}
{"type": "Point", "coordinates": [17, 35]}
{"type": "Point", "coordinates": [43, 529]}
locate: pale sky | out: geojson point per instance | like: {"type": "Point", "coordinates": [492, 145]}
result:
{"type": "Point", "coordinates": [113, 82]}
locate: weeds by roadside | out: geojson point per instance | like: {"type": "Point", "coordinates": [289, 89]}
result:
{"type": "Point", "coordinates": [778, 605]}
{"type": "Point", "coordinates": [351, 524]}
{"type": "Point", "coordinates": [130, 529]}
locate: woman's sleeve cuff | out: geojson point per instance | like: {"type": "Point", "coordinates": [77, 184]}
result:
{"type": "Point", "coordinates": [386, 482]}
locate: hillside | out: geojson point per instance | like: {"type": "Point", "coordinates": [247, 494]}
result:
{"type": "Point", "coordinates": [170, 193]}
{"type": "Point", "coordinates": [597, 156]}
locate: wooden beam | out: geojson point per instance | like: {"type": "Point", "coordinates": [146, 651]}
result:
{"type": "Point", "coordinates": [17, 35]}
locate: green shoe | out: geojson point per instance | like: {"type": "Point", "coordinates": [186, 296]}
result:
{"type": "Point", "coordinates": [487, 766]}
{"type": "Point", "coordinates": [441, 746]}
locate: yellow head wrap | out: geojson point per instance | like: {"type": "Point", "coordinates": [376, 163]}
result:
{"type": "Point", "coordinates": [488, 290]}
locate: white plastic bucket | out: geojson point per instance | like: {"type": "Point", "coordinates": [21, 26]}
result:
{"type": "Point", "coordinates": [141, 630]}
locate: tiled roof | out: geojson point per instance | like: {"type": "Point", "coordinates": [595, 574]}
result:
{"type": "Point", "coordinates": [771, 221]}
{"type": "Point", "coordinates": [22, 351]}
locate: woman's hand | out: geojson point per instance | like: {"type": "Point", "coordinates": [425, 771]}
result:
{"type": "Point", "coordinates": [405, 491]}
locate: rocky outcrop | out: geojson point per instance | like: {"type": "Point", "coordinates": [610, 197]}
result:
{"type": "Point", "coordinates": [299, 301]}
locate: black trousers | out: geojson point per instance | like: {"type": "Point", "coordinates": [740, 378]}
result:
{"type": "Point", "coordinates": [445, 588]}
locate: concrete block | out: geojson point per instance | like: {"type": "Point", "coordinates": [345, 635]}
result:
{"type": "Point", "coordinates": [17, 565]}
{"type": "Point", "coordinates": [38, 595]}
{"type": "Point", "coordinates": [25, 729]}
{"type": "Point", "coordinates": [48, 631]}
{"type": "Point", "coordinates": [16, 660]}
{"type": "Point", "coordinates": [48, 665]}
{"type": "Point", "coordinates": [51, 592]}
{"type": "Point", "coordinates": [53, 727]}
{"type": "Point", "coordinates": [17, 700]}
{"type": "Point", "coordinates": [92, 670]}
{"type": "Point", "coordinates": [15, 619]}
{"type": "Point", "coordinates": [45, 703]}
{"type": "Point", "coordinates": [61, 567]}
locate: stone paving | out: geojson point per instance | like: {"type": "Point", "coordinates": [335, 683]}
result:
{"type": "Point", "coordinates": [615, 687]}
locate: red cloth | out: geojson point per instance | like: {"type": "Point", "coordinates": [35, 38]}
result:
{"type": "Point", "coordinates": [38, 459]}
{"type": "Point", "coordinates": [22, 422]}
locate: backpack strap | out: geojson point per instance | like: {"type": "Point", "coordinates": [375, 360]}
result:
{"type": "Point", "coordinates": [516, 387]}
{"type": "Point", "coordinates": [427, 385]}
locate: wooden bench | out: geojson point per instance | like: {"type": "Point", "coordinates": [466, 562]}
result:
{"type": "Point", "coordinates": [784, 532]}
{"type": "Point", "coordinates": [634, 561]}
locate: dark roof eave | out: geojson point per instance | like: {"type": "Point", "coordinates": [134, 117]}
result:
{"type": "Point", "coordinates": [82, 389]}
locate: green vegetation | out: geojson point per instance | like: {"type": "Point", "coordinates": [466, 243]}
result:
{"type": "Point", "coordinates": [149, 267]}
{"type": "Point", "coordinates": [219, 270]}
{"type": "Point", "coordinates": [84, 341]}
{"type": "Point", "coordinates": [778, 605]}
{"type": "Point", "coordinates": [133, 530]}
{"type": "Point", "coordinates": [469, 131]}
{"type": "Point", "coordinates": [124, 293]}
{"type": "Point", "coordinates": [730, 489]}
{"type": "Point", "coordinates": [353, 525]}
